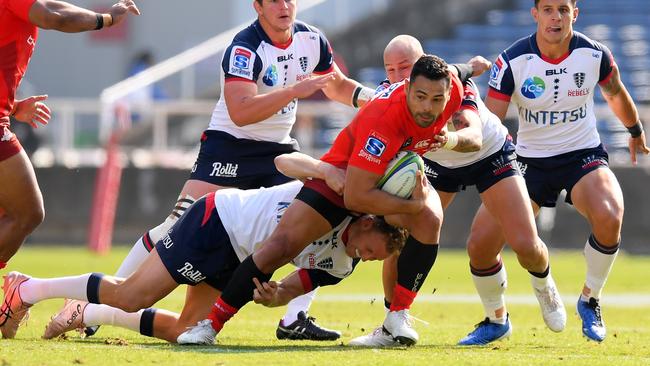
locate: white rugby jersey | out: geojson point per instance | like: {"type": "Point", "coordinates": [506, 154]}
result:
{"type": "Point", "coordinates": [494, 136]}
{"type": "Point", "coordinates": [554, 97]}
{"type": "Point", "coordinates": [250, 216]}
{"type": "Point", "coordinates": [253, 57]}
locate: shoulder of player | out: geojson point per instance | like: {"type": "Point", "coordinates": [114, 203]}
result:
{"type": "Point", "coordinates": [522, 46]}
{"type": "Point", "coordinates": [582, 41]}
{"type": "Point", "coordinates": [249, 37]}
{"type": "Point", "coordinates": [300, 26]}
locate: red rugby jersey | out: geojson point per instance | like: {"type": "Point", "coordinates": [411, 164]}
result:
{"type": "Point", "coordinates": [17, 40]}
{"type": "Point", "coordinates": [384, 127]}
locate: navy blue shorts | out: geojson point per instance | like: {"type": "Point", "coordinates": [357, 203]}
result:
{"type": "Point", "coordinates": [197, 248]}
{"type": "Point", "coordinates": [547, 177]}
{"type": "Point", "coordinates": [483, 174]}
{"type": "Point", "coordinates": [227, 161]}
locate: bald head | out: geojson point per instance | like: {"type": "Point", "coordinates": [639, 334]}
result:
{"type": "Point", "coordinates": [399, 56]}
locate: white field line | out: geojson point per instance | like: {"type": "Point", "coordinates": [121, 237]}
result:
{"type": "Point", "coordinates": [622, 300]}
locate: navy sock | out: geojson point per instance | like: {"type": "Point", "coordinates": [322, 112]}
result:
{"type": "Point", "coordinates": [146, 322]}
{"type": "Point", "coordinates": [92, 289]}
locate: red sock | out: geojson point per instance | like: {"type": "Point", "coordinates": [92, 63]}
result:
{"type": "Point", "coordinates": [402, 298]}
{"type": "Point", "coordinates": [220, 314]}
{"type": "Point", "coordinates": [3, 265]}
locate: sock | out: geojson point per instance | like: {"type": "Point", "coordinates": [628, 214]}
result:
{"type": "Point", "coordinates": [386, 305]}
{"type": "Point", "coordinates": [298, 304]}
{"type": "Point", "coordinates": [39, 289]}
{"type": "Point", "coordinates": [414, 263]}
{"type": "Point", "coordinates": [599, 262]}
{"type": "Point", "coordinates": [491, 284]}
{"type": "Point", "coordinates": [220, 314]}
{"type": "Point", "coordinates": [402, 298]}
{"type": "Point", "coordinates": [540, 280]}
{"type": "Point", "coordinates": [239, 290]}
{"type": "Point", "coordinates": [133, 260]}
{"type": "Point", "coordinates": [98, 314]}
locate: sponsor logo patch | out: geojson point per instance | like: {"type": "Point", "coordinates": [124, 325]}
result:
{"type": "Point", "coordinates": [270, 76]}
{"type": "Point", "coordinates": [228, 170]}
{"type": "Point", "coordinates": [533, 87]}
{"type": "Point", "coordinates": [374, 145]}
{"type": "Point", "coordinates": [190, 273]}
{"type": "Point", "coordinates": [326, 263]}
{"type": "Point", "coordinates": [241, 62]}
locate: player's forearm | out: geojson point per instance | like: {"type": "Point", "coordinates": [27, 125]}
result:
{"type": "Point", "coordinates": [623, 107]}
{"type": "Point", "coordinates": [65, 17]}
{"type": "Point", "coordinates": [252, 109]}
{"type": "Point", "coordinates": [378, 202]}
{"type": "Point", "coordinates": [469, 140]}
{"type": "Point", "coordinates": [299, 166]}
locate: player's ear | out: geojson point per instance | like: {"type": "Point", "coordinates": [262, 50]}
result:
{"type": "Point", "coordinates": [407, 85]}
{"type": "Point", "coordinates": [534, 13]}
{"type": "Point", "coordinates": [576, 11]}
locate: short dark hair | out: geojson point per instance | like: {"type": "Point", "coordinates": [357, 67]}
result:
{"type": "Point", "coordinates": [573, 2]}
{"type": "Point", "coordinates": [431, 67]}
{"type": "Point", "coordinates": [396, 235]}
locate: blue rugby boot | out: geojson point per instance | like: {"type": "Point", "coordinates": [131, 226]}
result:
{"type": "Point", "coordinates": [593, 326]}
{"type": "Point", "coordinates": [486, 332]}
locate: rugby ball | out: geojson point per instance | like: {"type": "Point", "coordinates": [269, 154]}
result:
{"type": "Point", "coordinates": [400, 175]}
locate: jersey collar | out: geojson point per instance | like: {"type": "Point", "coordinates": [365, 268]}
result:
{"type": "Point", "coordinates": [267, 39]}
{"type": "Point", "coordinates": [572, 46]}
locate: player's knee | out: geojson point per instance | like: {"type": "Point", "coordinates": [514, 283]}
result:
{"type": "Point", "coordinates": [427, 224]}
{"type": "Point", "coordinates": [30, 220]}
{"type": "Point", "coordinates": [608, 218]}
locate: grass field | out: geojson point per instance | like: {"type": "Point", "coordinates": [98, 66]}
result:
{"type": "Point", "coordinates": [249, 339]}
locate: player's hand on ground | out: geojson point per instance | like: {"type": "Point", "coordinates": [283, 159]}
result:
{"type": "Point", "coordinates": [335, 178]}
{"type": "Point", "coordinates": [32, 110]}
{"type": "Point", "coordinates": [121, 10]}
{"type": "Point", "coordinates": [265, 292]}
{"type": "Point", "coordinates": [311, 85]}
{"type": "Point", "coordinates": [638, 145]}
{"type": "Point", "coordinates": [479, 65]}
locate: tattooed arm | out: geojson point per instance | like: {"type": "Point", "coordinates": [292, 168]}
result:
{"type": "Point", "coordinates": [621, 103]}
{"type": "Point", "coordinates": [468, 136]}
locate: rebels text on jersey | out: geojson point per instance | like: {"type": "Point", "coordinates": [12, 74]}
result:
{"type": "Point", "coordinates": [384, 127]}
{"type": "Point", "coordinates": [250, 216]}
{"type": "Point", "coordinates": [17, 40]}
{"type": "Point", "coordinates": [554, 97]}
{"type": "Point", "coordinates": [253, 57]}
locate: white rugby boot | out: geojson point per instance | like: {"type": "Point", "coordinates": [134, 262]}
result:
{"type": "Point", "coordinates": [398, 325]}
{"type": "Point", "coordinates": [202, 333]}
{"type": "Point", "coordinates": [378, 338]}
{"type": "Point", "coordinates": [551, 305]}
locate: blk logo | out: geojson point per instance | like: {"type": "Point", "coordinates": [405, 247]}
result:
{"type": "Point", "coordinates": [556, 71]}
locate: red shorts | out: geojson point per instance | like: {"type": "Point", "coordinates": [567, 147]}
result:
{"type": "Point", "coordinates": [9, 144]}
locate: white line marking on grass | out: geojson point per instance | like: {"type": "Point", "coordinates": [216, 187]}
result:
{"type": "Point", "coordinates": [622, 300]}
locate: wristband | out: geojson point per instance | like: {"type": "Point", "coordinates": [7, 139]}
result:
{"type": "Point", "coordinates": [452, 141]}
{"type": "Point", "coordinates": [635, 130]}
{"type": "Point", "coordinates": [464, 71]}
{"type": "Point", "coordinates": [100, 21]}
{"type": "Point", "coordinates": [361, 93]}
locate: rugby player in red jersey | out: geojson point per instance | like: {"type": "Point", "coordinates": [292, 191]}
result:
{"type": "Point", "coordinates": [407, 116]}
{"type": "Point", "coordinates": [21, 202]}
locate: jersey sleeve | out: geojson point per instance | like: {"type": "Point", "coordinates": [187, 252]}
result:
{"type": "Point", "coordinates": [20, 8]}
{"type": "Point", "coordinates": [470, 96]}
{"type": "Point", "coordinates": [607, 64]}
{"type": "Point", "coordinates": [501, 82]}
{"type": "Point", "coordinates": [376, 141]}
{"type": "Point", "coordinates": [326, 60]}
{"type": "Point", "coordinates": [240, 62]}
{"type": "Point", "coordinates": [312, 278]}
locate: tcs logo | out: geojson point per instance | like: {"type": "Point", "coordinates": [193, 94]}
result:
{"type": "Point", "coordinates": [533, 87]}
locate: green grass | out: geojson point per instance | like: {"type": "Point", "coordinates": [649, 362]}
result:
{"type": "Point", "coordinates": [249, 338]}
